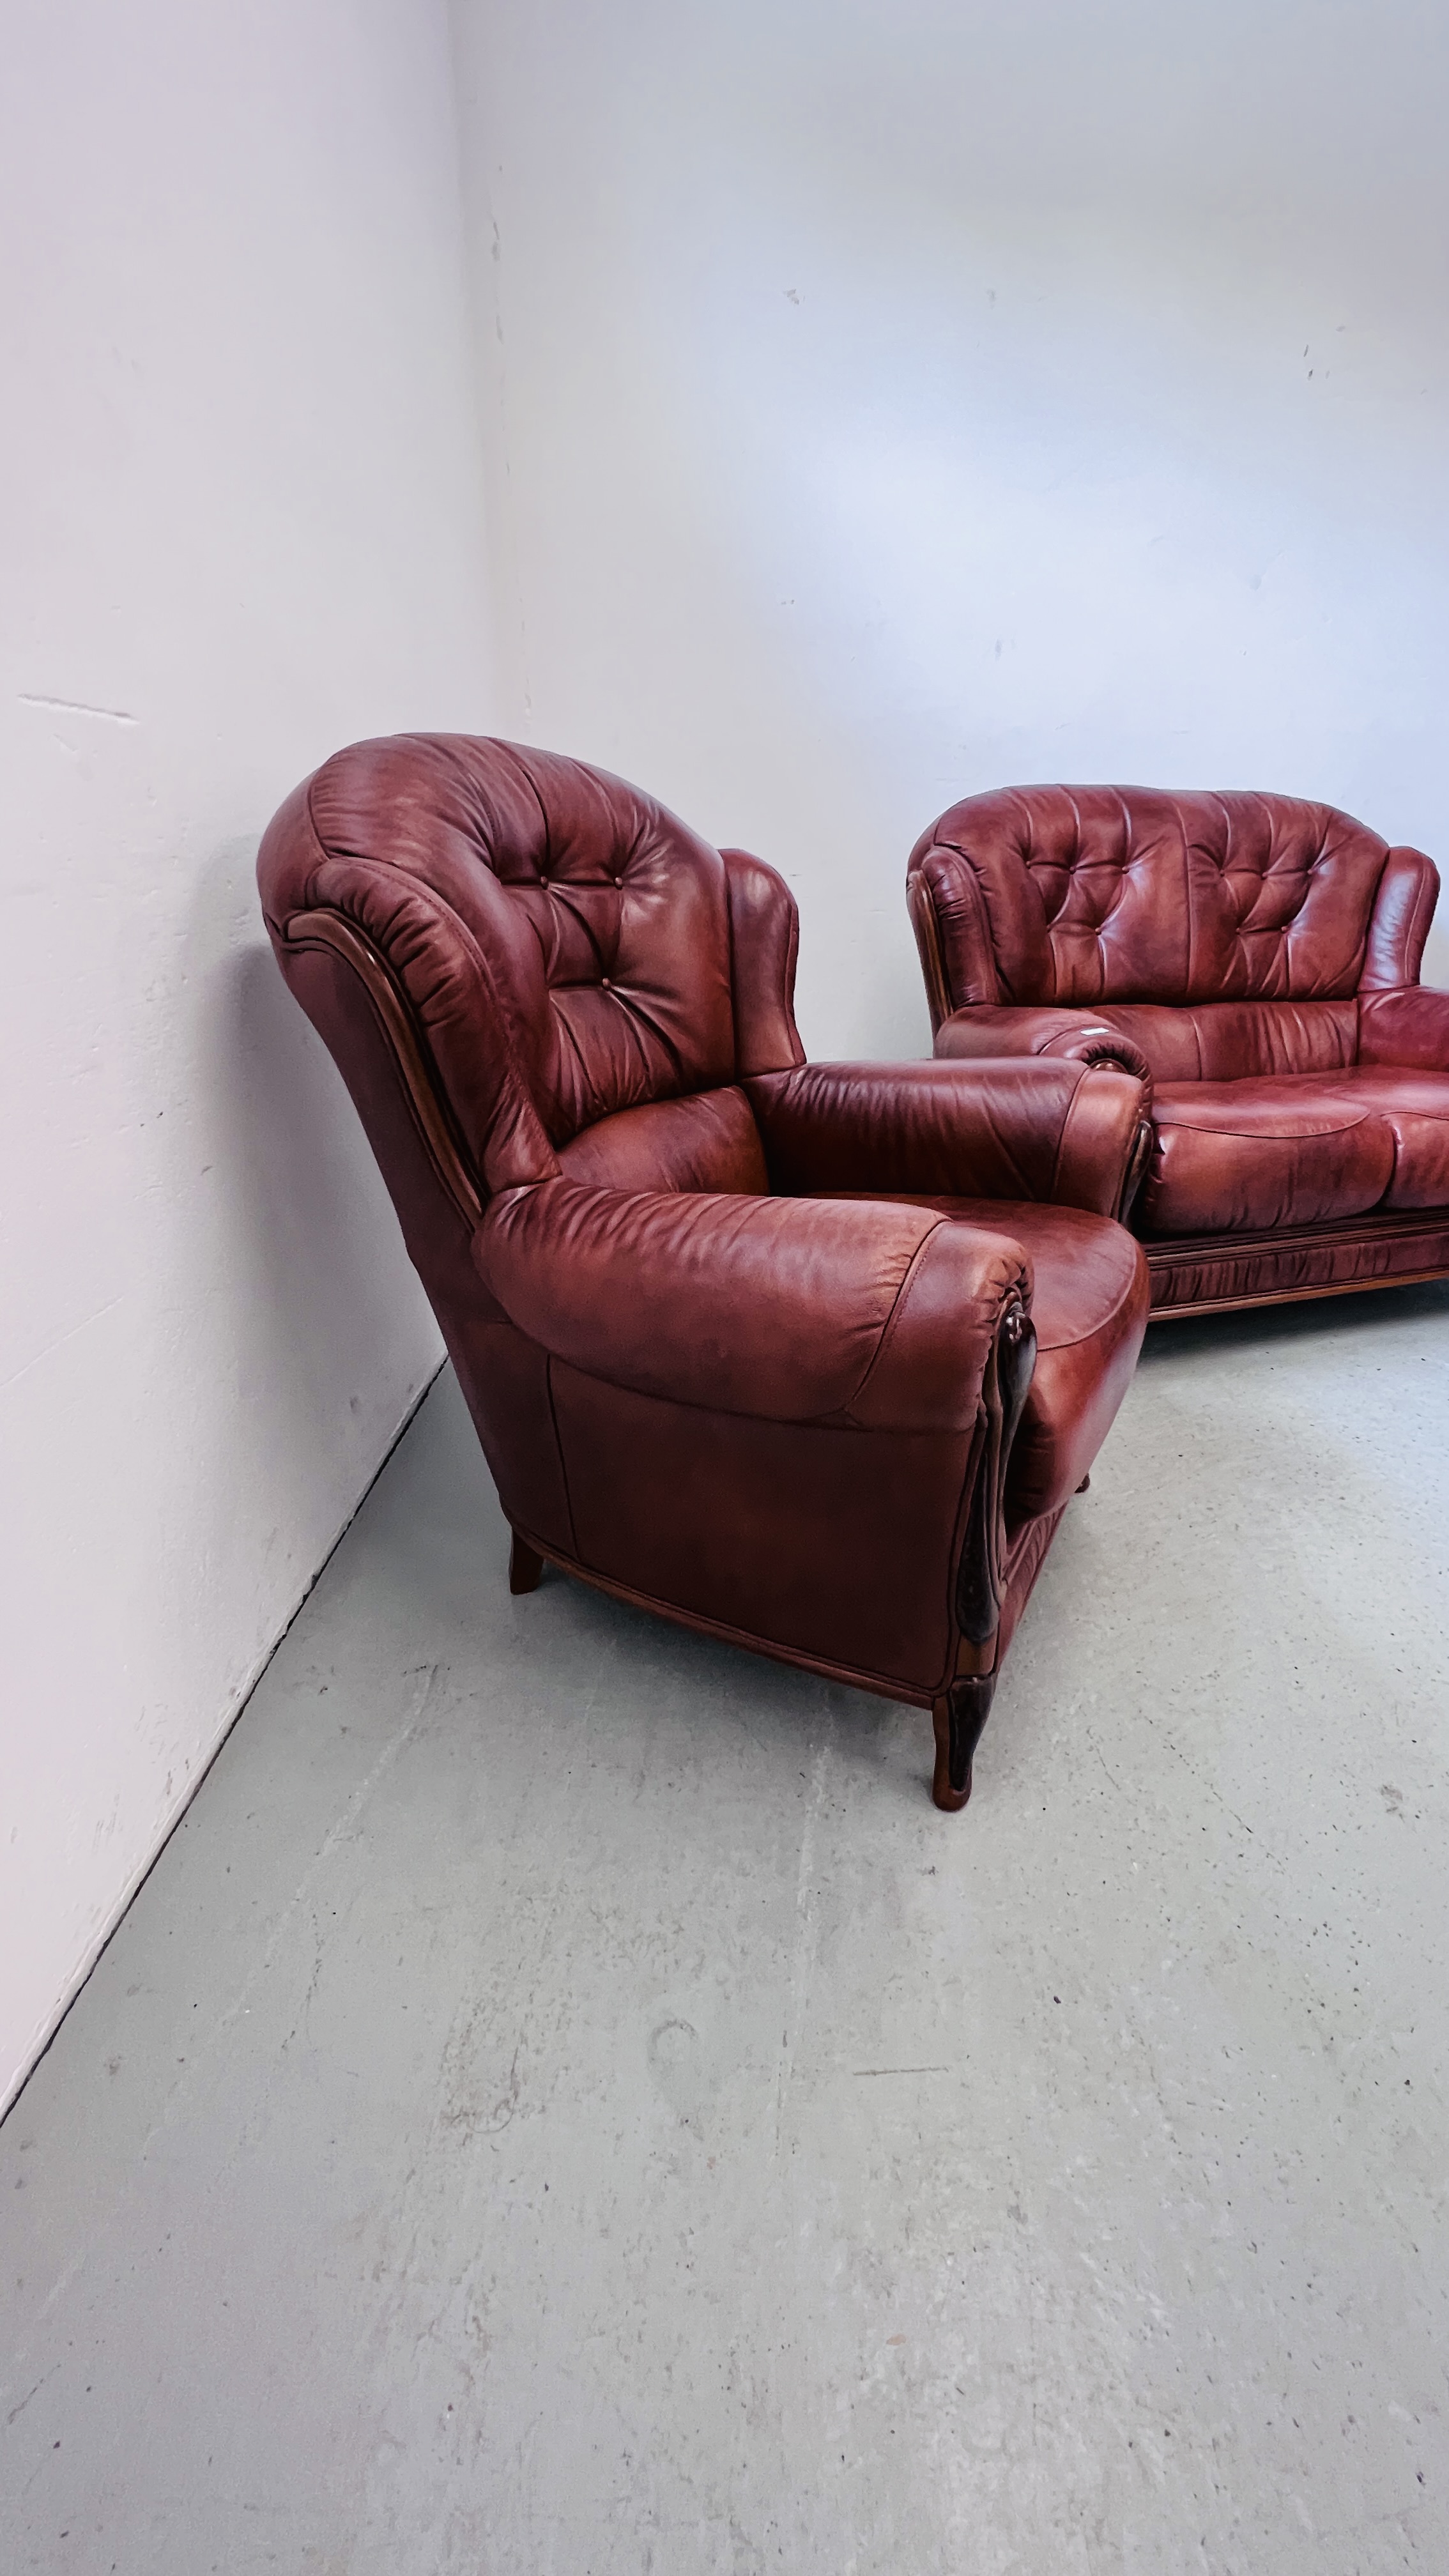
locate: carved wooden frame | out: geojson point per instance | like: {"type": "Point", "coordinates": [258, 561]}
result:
{"type": "Point", "coordinates": [960, 1712]}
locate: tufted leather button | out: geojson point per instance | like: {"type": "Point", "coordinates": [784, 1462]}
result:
{"type": "Point", "coordinates": [543, 881]}
{"type": "Point", "coordinates": [604, 980]}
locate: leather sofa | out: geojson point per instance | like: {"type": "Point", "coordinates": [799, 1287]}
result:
{"type": "Point", "coordinates": [1256, 960]}
{"type": "Point", "coordinates": [807, 1356]}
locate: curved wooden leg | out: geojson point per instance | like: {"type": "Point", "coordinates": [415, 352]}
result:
{"type": "Point", "coordinates": [958, 1718]}
{"type": "Point", "coordinates": [525, 1565]}
{"type": "Point", "coordinates": [1082, 1487]}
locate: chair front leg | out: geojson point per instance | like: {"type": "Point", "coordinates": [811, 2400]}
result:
{"type": "Point", "coordinates": [959, 1716]}
{"type": "Point", "coordinates": [525, 1566]}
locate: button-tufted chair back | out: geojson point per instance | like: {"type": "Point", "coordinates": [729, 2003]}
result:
{"type": "Point", "coordinates": [1123, 894]}
{"type": "Point", "coordinates": [563, 948]}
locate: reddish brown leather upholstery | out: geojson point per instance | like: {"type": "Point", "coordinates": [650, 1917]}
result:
{"type": "Point", "coordinates": [745, 1339]}
{"type": "Point", "coordinates": [1253, 959]}
{"type": "Point", "coordinates": [1085, 1313]}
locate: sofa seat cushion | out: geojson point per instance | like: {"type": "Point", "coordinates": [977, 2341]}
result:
{"type": "Point", "coordinates": [1297, 1149]}
{"type": "Point", "coordinates": [1241, 1157]}
{"type": "Point", "coordinates": [1415, 1109]}
{"type": "Point", "coordinates": [1089, 1307]}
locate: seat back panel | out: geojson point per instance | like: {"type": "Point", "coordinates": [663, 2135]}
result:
{"type": "Point", "coordinates": [1221, 1041]}
{"type": "Point", "coordinates": [708, 1141]}
{"type": "Point", "coordinates": [1115, 894]}
{"type": "Point", "coordinates": [562, 940]}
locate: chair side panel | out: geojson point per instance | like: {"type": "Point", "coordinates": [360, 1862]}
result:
{"type": "Point", "coordinates": [504, 1377]}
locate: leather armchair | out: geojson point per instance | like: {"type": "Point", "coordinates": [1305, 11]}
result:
{"type": "Point", "coordinates": [810, 1357]}
{"type": "Point", "coordinates": [1255, 961]}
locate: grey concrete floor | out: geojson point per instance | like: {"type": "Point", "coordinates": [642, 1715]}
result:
{"type": "Point", "coordinates": [564, 2100]}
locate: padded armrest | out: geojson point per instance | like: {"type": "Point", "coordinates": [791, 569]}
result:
{"type": "Point", "coordinates": [791, 1310]}
{"type": "Point", "coordinates": [1014, 1128]}
{"type": "Point", "coordinates": [994, 1029]}
{"type": "Point", "coordinates": [1406, 1024]}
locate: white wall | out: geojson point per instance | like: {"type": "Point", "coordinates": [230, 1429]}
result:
{"type": "Point", "coordinates": [903, 397]}
{"type": "Point", "coordinates": [240, 493]}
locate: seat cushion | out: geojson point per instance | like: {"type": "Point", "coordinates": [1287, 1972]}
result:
{"type": "Point", "coordinates": [1415, 1109]}
{"type": "Point", "coordinates": [1089, 1307]}
{"type": "Point", "coordinates": [1297, 1149]}
{"type": "Point", "coordinates": [1241, 1157]}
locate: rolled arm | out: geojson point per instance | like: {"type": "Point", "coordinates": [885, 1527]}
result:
{"type": "Point", "coordinates": [1014, 1128]}
{"type": "Point", "coordinates": [1081, 1037]}
{"type": "Point", "coordinates": [791, 1310]}
{"type": "Point", "coordinates": [1406, 1024]}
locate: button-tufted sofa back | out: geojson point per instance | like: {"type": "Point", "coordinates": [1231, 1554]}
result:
{"type": "Point", "coordinates": [561, 943]}
{"type": "Point", "coordinates": [1124, 894]}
